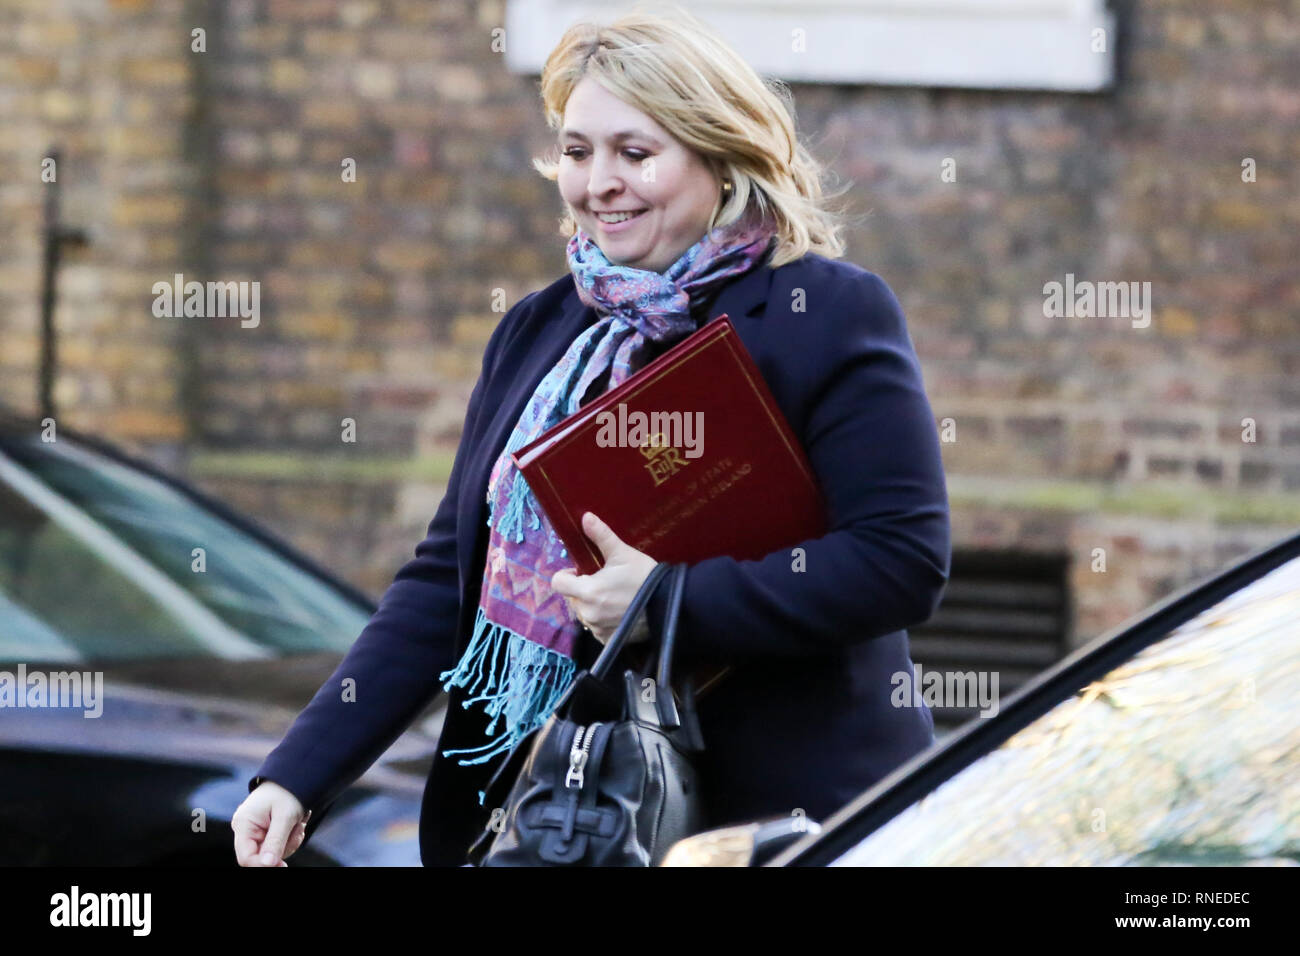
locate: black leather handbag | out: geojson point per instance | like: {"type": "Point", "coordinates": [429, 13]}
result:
{"type": "Point", "coordinates": [611, 778]}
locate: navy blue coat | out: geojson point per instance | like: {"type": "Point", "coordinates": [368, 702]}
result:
{"type": "Point", "coordinates": [804, 721]}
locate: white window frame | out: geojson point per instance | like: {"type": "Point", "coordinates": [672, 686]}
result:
{"type": "Point", "coordinates": [982, 44]}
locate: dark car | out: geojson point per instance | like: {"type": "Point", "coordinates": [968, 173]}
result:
{"type": "Point", "coordinates": [1173, 740]}
{"type": "Point", "coordinates": [154, 647]}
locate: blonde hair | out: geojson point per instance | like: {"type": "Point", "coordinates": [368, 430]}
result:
{"type": "Point", "coordinates": [678, 71]}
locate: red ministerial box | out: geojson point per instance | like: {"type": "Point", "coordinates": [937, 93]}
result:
{"type": "Point", "coordinates": [689, 458]}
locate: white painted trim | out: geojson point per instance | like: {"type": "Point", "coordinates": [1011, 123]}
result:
{"type": "Point", "coordinates": [984, 44]}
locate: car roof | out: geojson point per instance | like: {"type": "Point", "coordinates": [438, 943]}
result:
{"type": "Point", "coordinates": [928, 770]}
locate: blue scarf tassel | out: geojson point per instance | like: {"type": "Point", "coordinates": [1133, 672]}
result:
{"type": "Point", "coordinates": [523, 693]}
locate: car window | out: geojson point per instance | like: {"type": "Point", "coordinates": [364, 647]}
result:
{"type": "Point", "coordinates": [1189, 753]}
{"type": "Point", "coordinates": [98, 560]}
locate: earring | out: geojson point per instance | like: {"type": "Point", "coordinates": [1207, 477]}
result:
{"type": "Point", "coordinates": [726, 187]}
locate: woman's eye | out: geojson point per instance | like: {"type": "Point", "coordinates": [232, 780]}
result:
{"type": "Point", "coordinates": [573, 152]}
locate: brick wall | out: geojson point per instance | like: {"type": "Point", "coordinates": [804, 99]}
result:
{"type": "Point", "coordinates": [1069, 434]}
{"type": "Point", "coordinates": [110, 86]}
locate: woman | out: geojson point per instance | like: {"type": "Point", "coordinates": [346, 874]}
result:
{"type": "Point", "coordinates": [688, 196]}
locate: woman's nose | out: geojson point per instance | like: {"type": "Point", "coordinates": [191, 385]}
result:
{"type": "Point", "coordinates": [603, 180]}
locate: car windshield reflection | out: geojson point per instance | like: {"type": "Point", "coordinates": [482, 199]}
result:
{"type": "Point", "coordinates": [1185, 754]}
{"type": "Point", "coordinates": [100, 561]}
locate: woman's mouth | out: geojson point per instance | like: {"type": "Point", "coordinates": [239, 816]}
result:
{"type": "Point", "coordinates": [615, 222]}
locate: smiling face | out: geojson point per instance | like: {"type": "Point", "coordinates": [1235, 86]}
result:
{"type": "Point", "coordinates": [615, 158]}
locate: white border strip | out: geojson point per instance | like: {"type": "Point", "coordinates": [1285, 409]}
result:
{"type": "Point", "coordinates": [984, 44]}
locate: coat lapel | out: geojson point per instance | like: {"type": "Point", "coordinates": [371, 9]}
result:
{"type": "Point", "coordinates": [743, 299]}
{"type": "Point", "coordinates": [521, 374]}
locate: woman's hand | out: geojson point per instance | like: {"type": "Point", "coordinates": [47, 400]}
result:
{"type": "Point", "coordinates": [600, 600]}
{"type": "Point", "coordinates": [269, 826]}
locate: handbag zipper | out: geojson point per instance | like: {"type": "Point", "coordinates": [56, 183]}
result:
{"type": "Point", "coordinates": [578, 755]}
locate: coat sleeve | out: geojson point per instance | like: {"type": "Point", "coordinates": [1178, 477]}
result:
{"type": "Point", "coordinates": [871, 439]}
{"type": "Point", "coordinates": [395, 662]}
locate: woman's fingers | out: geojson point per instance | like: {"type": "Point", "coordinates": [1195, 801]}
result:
{"type": "Point", "coordinates": [269, 826]}
{"type": "Point", "coordinates": [246, 845]}
{"type": "Point", "coordinates": [600, 600]}
{"type": "Point", "coordinates": [296, 837]}
{"type": "Point", "coordinates": [277, 839]}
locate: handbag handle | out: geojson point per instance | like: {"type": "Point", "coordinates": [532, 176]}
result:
{"type": "Point", "coordinates": [615, 644]}
{"type": "Point", "coordinates": [665, 705]}
{"type": "Point", "coordinates": [664, 702]}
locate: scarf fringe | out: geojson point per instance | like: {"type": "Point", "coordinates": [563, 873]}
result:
{"type": "Point", "coordinates": [512, 517]}
{"type": "Point", "coordinates": [521, 496]}
{"type": "Point", "coordinates": [521, 681]}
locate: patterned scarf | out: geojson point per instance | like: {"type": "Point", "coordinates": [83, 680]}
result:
{"type": "Point", "coordinates": [520, 658]}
